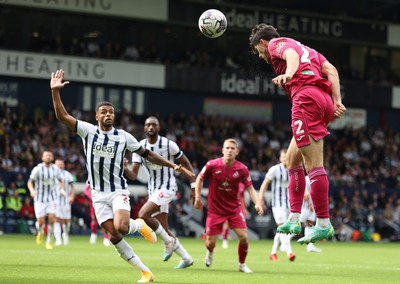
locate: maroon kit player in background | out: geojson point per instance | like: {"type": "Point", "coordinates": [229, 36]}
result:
{"type": "Point", "coordinates": [225, 174]}
{"type": "Point", "coordinates": [312, 84]}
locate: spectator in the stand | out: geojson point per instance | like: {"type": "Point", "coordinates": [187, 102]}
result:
{"type": "Point", "coordinates": [131, 52]}
{"type": "Point", "coordinates": [20, 184]}
{"type": "Point", "coordinates": [27, 211]}
{"type": "Point", "coordinates": [13, 202]}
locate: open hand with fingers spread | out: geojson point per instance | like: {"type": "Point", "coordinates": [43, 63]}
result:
{"type": "Point", "coordinates": [56, 81]}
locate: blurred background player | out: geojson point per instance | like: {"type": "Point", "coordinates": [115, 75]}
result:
{"type": "Point", "coordinates": [224, 175]}
{"type": "Point", "coordinates": [63, 215]}
{"type": "Point", "coordinates": [162, 188]}
{"type": "Point", "coordinates": [44, 182]}
{"type": "Point", "coordinates": [307, 216]}
{"type": "Point", "coordinates": [94, 225]}
{"type": "Point", "coordinates": [278, 177]}
{"type": "Point", "coordinates": [226, 229]}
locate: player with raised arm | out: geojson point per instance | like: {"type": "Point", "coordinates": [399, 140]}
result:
{"type": "Point", "coordinates": [312, 84]}
{"type": "Point", "coordinates": [104, 148]}
{"type": "Point", "coordinates": [278, 177]}
{"type": "Point", "coordinates": [224, 175]}
{"type": "Point", "coordinates": [162, 188]}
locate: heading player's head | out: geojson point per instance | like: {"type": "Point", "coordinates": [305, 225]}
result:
{"type": "Point", "coordinates": [151, 126]}
{"type": "Point", "coordinates": [105, 115]}
{"type": "Point", "coordinates": [47, 157]}
{"type": "Point", "coordinates": [230, 149]}
{"type": "Point", "coordinates": [259, 39]}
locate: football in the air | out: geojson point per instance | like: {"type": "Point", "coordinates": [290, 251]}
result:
{"type": "Point", "coordinates": [212, 23]}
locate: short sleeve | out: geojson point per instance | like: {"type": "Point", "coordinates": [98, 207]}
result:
{"type": "Point", "coordinates": [33, 174]}
{"type": "Point", "coordinates": [83, 128]}
{"type": "Point", "coordinates": [131, 142]}
{"type": "Point", "coordinates": [136, 158]}
{"type": "Point", "coordinates": [271, 173]}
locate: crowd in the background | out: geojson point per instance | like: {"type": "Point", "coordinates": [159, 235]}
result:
{"type": "Point", "coordinates": [363, 164]}
{"type": "Point", "coordinates": [375, 71]}
{"type": "Point", "coordinates": [99, 46]}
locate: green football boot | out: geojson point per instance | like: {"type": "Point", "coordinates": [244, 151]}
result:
{"type": "Point", "coordinates": [289, 228]}
{"type": "Point", "coordinates": [316, 234]}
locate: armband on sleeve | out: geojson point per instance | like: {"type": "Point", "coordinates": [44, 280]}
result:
{"type": "Point", "coordinates": [145, 153]}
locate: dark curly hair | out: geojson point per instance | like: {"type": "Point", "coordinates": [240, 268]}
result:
{"type": "Point", "coordinates": [259, 32]}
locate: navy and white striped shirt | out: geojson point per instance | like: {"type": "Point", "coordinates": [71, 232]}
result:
{"type": "Point", "coordinates": [105, 151]}
{"type": "Point", "coordinates": [160, 177]}
{"type": "Point", "coordinates": [279, 177]}
{"type": "Point", "coordinates": [68, 180]}
{"type": "Point", "coordinates": [47, 182]}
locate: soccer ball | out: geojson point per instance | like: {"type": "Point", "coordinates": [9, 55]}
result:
{"type": "Point", "coordinates": [212, 23]}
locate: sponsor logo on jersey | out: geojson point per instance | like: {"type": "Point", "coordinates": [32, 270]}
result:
{"type": "Point", "coordinates": [104, 151]}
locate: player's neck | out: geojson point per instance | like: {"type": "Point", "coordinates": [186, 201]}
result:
{"type": "Point", "coordinates": [104, 128]}
{"type": "Point", "coordinates": [152, 139]}
{"type": "Point", "coordinates": [228, 162]}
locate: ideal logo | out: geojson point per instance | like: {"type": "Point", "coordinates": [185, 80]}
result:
{"type": "Point", "coordinates": [104, 151]}
{"type": "Point", "coordinates": [233, 84]}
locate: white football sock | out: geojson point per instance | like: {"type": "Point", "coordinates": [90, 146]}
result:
{"type": "Point", "coordinates": [66, 227]}
{"type": "Point", "coordinates": [286, 241]}
{"type": "Point", "coordinates": [181, 251]}
{"type": "Point", "coordinates": [57, 231]}
{"type": "Point", "coordinates": [50, 231]}
{"type": "Point", "coordinates": [164, 235]}
{"type": "Point", "coordinates": [294, 217]}
{"type": "Point", "coordinates": [134, 226]}
{"type": "Point", "coordinates": [276, 243]}
{"type": "Point", "coordinates": [323, 222]}
{"type": "Point", "coordinates": [126, 252]}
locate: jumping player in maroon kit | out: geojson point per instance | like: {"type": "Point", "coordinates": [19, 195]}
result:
{"type": "Point", "coordinates": [312, 84]}
{"type": "Point", "coordinates": [225, 174]}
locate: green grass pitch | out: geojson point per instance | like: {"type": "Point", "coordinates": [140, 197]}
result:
{"type": "Point", "coordinates": [22, 261]}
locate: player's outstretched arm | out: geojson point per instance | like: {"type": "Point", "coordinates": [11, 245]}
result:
{"type": "Point", "coordinates": [56, 83]}
{"type": "Point", "coordinates": [159, 160]}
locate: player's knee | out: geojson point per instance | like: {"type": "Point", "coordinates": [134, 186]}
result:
{"type": "Point", "coordinates": [210, 245]}
{"type": "Point", "coordinates": [122, 227]}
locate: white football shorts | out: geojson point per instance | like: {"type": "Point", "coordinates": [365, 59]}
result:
{"type": "Point", "coordinates": [280, 214]}
{"type": "Point", "coordinates": [42, 209]}
{"type": "Point", "coordinates": [163, 198]}
{"type": "Point", "coordinates": [106, 203]}
{"type": "Point", "coordinates": [64, 211]}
